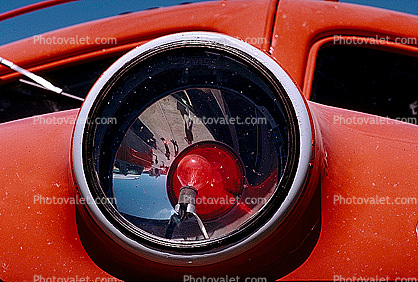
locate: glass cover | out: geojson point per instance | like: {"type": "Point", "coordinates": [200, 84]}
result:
{"type": "Point", "coordinates": [141, 182]}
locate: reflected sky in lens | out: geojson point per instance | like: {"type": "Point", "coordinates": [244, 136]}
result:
{"type": "Point", "coordinates": [144, 195]}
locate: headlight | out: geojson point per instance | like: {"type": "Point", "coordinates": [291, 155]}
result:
{"type": "Point", "coordinates": [198, 110]}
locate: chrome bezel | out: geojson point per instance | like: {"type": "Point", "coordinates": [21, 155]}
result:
{"type": "Point", "coordinates": [302, 163]}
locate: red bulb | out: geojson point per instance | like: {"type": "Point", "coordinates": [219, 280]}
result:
{"type": "Point", "coordinates": [195, 171]}
{"type": "Point", "coordinates": [214, 170]}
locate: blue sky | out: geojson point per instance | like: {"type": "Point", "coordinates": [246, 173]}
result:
{"type": "Point", "coordinates": [148, 199]}
{"type": "Point", "coordinates": [68, 14]}
{"type": "Point", "coordinates": [86, 10]}
{"type": "Point", "coordinates": [407, 6]}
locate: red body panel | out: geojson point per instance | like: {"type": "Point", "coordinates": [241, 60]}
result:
{"type": "Point", "coordinates": [355, 239]}
{"type": "Point", "coordinates": [299, 23]}
{"type": "Point", "coordinates": [132, 29]}
{"type": "Point", "coordinates": [38, 224]}
{"type": "Point", "coordinates": [362, 160]}
{"type": "Point", "coordinates": [365, 161]}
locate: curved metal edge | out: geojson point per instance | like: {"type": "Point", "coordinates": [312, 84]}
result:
{"type": "Point", "coordinates": [305, 135]}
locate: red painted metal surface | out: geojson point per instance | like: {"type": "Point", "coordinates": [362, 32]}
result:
{"type": "Point", "coordinates": [374, 162]}
{"type": "Point", "coordinates": [32, 8]}
{"type": "Point", "coordinates": [300, 23]}
{"type": "Point", "coordinates": [355, 238]}
{"type": "Point", "coordinates": [39, 236]}
{"type": "Point", "coordinates": [248, 20]}
{"type": "Point", "coordinates": [363, 161]}
{"type": "Point", "coordinates": [37, 208]}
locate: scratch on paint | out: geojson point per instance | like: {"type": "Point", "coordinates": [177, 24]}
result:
{"type": "Point", "coordinates": [18, 176]}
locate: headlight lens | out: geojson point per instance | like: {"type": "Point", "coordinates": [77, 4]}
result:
{"type": "Point", "coordinates": [193, 111]}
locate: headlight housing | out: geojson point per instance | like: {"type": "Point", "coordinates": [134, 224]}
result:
{"type": "Point", "coordinates": [202, 94]}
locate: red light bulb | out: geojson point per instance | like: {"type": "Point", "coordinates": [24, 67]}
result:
{"type": "Point", "coordinates": [212, 168]}
{"type": "Point", "coordinates": [195, 171]}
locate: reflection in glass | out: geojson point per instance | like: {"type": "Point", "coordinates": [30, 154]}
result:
{"type": "Point", "coordinates": [172, 124]}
